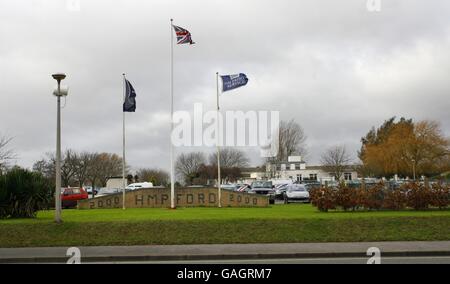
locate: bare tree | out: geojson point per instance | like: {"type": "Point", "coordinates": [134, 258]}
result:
{"type": "Point", "coordinates": [292, 140]}
{"type": "Point", "coordinates": [155, 176]}
{"type": "Point", "coordinates": [110, 165]}
{"type": "Point", "coordinates": [41, 167]}
{"type": "Point", "coordinates": [188, 165]}
{"type": "Point", "coordinates": [80, 167]}
{"type": "Point", "coordinates": [69, 162]}
{"type": "Point", "coordinates": [6, 153]}
{"type": "Point", "coordinates": [47, 166]}
{"type": "Point", "coordinates": [83, 163]}
{"type": "Point", "coordinates": [229, 158]}
{"type": "Point", "coordinates": [336, 160]}
{"type": "Point", "coordinates": [94, 171]}
{"type": "Point", "coordinates": [209, 172]}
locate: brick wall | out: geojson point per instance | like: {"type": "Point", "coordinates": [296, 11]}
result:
{"type": "Point", "coordinates": [186, 197]}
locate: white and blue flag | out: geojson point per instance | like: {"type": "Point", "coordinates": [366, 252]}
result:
{"type": "Point", "coordinates": [231, 82]}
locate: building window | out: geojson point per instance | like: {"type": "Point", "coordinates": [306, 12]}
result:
{"type": "Point", "coordinates": [313, 177]}
{"type": "Point", "coordinates": [299, 178]}
{"type": "Point", "coordinates": [292, 167]}
{"type": "Point", "coordinates": [348, 176]}
{"type": "Point", "coordinates": [283, 167]}
{"type": "Point", "coordinates": [297, 167]}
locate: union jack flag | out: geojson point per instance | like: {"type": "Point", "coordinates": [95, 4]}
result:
{"type": "Point", "coordinates": [183, 36]}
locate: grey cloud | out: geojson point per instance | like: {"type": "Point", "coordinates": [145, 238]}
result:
{"type": "Point", "coordinates": [333, 66]}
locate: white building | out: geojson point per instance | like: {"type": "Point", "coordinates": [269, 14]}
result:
{"type": "Point", "coordinates": [115, 182]}
{"type": "Point", "coordinates": [295, 169]}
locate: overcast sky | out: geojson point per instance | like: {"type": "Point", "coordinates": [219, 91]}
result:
{"type": "Point", "coordinates": [335, 67]}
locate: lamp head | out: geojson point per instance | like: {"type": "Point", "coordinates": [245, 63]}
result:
{"type": "Point", "coordinates": [63, 91]}
{"type": "Point", "coordinates": [59, 76]}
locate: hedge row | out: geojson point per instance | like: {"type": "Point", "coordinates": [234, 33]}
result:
{"type": "Point", "coordinates": [411, 195]}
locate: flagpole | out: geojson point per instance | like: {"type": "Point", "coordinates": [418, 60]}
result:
{"type": "Point", "coordinates": [123, 146]}
{"type": "Point", "coordinates": [172, 178]}
{"type": "Point", "coordinates": [219, 190]}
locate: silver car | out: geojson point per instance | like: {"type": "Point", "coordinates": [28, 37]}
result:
{"type": "Point", "coordinates": [107, 191]}
{"type": "Point", "coordinates": [296, 192]}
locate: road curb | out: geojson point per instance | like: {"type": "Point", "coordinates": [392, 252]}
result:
{"type": "Point", "coordinates": [140, 258]}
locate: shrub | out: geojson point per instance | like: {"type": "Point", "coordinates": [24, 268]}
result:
{"type": "Point", "coordinates": [395, 199]}
{"type": "Point", "coordinates": [413, 195]}
{"type": "Point", "coordinates": [372, 198]}
{"type": "Point", "coordinates": [418, 196]}
{"type": "Point", "coordinates": [346, 197]}
{"type": "Point", "coordinates": [323, 198]}
{"type": "Point", "coordinates": [440, 196]}
{"type": "Point", "coordinates": [23, 193]}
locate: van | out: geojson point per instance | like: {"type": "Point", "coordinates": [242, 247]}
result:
{"type": "Point", "coordinates": [135, 186]}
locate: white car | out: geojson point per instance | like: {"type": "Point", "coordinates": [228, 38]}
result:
{"type": "Point", "coordinates": [89, 190]}
{"type": "Point", "coordinates": [107, 191]}
{"type": "Point", "coordinates": [135, 186]}
{"type": "Point", "coordinates": [228, 186]}
{"type": "Point", "coordinates": [296, 192]}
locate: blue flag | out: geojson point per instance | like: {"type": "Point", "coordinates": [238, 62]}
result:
{"type": "Point", "coordinates": [231, 82]}
{"type": "Point", "coordinates": [129, 105]}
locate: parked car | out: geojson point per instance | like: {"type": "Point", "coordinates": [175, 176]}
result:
{"type": "Point", "coordinates": [135, 186]}
{"type": "Point", "coordinates": [228, 186]}
{"type": "Point", "coordinates": [89, 190]}
{"type": "Point", "coordinates": [296, 192]}
{"type": "Point", "coordinates": [108, 191]}
{"type": "Point", "coordinates": [196, 186]}
{"type": "Point", "coordinates": [280, 190]}
{"type": "Point", "coordinates": [312, 185]}
{"type": "Point", "coordinates": [71, 195]}
{"type": "Point", "coordinates": [243, 187]}
{"type": "Point", "coordinates": [264, 188]}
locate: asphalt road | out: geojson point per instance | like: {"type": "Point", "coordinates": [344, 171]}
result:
{"type": "Point", "coordinates": [384, 260]}
{"type": "Point", "coordinates": [278, 253]}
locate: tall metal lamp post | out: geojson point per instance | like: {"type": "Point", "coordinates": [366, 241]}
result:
{"type": "Point", "coordinates": [58, 77]}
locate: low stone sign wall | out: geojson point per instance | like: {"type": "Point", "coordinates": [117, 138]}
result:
{"type": "Point", "coordinates": [185, 197]}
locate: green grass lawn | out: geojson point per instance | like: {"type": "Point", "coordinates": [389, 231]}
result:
{"type": "Point", "coordinates": [279, 223]}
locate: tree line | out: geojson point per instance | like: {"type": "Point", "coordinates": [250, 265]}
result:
{"type": "Point", "coordinates": [83, 168]}
{"type": "Point", "coordinates": [397, 147]}
{"type": "Point", "coordinates": [196, 169]}
{"type": "Point", "coordinates": [80, 168]}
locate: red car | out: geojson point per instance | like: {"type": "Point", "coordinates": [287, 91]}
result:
{"type": "Point", "coordinates": [71, 195]}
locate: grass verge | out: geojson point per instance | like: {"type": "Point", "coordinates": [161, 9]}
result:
{"type": "Point", "coordinates": [278, 224]}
